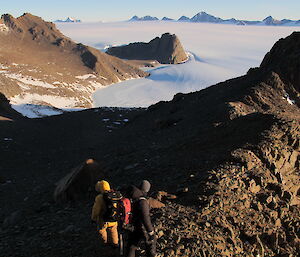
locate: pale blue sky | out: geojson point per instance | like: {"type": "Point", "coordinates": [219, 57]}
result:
{"type": "Point", "coordinates": [116, 10]}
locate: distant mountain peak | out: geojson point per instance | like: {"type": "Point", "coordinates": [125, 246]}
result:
{"type": "Point", "coordinates": [271, 21]}
{"type": "Point", "coordinates": [69, 19]}
{"type": "Point", "coordinates": [205, 17]}
{"type": "Point", "coordinates": [166, 19]}
{"type": "Point", "coordinates": [208, 18]}
{"type": "Point", "coordinates": [184, 18]}
{"type": "Point", "coordinates": [144, 18]}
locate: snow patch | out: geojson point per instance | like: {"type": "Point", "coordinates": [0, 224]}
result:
{"type": "Point", "coordinates": [29, 80]}
{"type": "Point", "coordinates": [7, 139]}
{"type": "Point", "coordinates": [56, 101]}
{"type": "Point", "coordinates": [289, 100]}
{"type": "Point", "coordinates": [2, 66]}
{"type": "Point", "coordinates": [36, 111]}
{"type": "Point", "coordinates": [3, 28]}
{"type": "Point", "coordinates": [86, 76]}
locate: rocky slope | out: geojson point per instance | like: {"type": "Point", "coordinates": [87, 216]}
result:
{"type": "Point", "coordinates": [230, 153]}
{"type": "Point", "coordinates": [39, 65]}
{"type": "Point", "coordinates": [166, 50]}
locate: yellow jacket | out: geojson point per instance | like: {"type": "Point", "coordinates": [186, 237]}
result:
{"type": "Point", "coordinates": [99, 207]}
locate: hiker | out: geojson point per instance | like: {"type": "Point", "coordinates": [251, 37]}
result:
{"type": "Point", "coordinates": [143, 228]}
{"type": "Point", "coordinates": [105, 224]}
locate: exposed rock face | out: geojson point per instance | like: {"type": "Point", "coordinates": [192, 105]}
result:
{"type": "Point", "coordinates": [36, 58]}
{"type": "Point", "coordinates": [81, 181]}
{"type": "Point", "coordinates": [166, 50]}
{"type": "Point", "coordinates": [284, 59]}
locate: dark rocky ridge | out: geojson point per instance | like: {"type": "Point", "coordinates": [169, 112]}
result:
{"type": "Point", "coordinates": [284, 60]}
{"type": "Point", "coordinates": [165, 50]}
{"type": "Point", "coordinates": [229, 152]}
{"type": "Point", "coordinates": [6, 112]}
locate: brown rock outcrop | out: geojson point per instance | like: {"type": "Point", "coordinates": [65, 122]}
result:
{"type": "Point", "coordinates": [166, 50]}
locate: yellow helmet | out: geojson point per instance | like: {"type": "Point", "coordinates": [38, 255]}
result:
{"type": "Point", "coordinates": [102, 186]}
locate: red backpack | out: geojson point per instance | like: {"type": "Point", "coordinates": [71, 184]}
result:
{"type": "Point", "coordinates": [125, 211]}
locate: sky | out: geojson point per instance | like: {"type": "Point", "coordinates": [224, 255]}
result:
{"type": "Point", "coordinates": [118, 10]}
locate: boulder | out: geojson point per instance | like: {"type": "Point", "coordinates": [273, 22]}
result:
{"type": "Point", "coordinates": [79, 182]}
{"type": "Point", "coordinates": [155, 204]}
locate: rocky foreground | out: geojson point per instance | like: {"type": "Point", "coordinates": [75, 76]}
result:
{"type": "Point", "coordinates": [229, 153]}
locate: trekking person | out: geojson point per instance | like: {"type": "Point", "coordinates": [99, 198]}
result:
{"type": "Point", "coordinates": [100, 214]}
{"type": "Point", "coordinates": [143, 228]}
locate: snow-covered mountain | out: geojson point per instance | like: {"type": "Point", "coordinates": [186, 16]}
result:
{"type": "Point", "coordinates": [271, 21]}
{"type": "Point", "coordinates": [144, 18]}
{"type": "Point", "coordinates": [69, 19]}
{"type": "Point", "coordinates": [204, 17]}
{"type": "Point", "coordinates": [166, 19]}
{"type": "Point", "coordinates": [184, 18]}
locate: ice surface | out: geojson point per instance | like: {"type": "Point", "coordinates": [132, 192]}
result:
{"type": "Point", "coordinates": [36, 111]}
{"type": "Point", "coordinates": [58, 102]}
{"type": "Point", "coordinates": [218, 52]}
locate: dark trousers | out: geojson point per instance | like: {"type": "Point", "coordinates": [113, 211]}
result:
{"type": "Point", "coordinates": [134, 240]}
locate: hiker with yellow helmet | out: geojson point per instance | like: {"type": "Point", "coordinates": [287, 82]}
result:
{"type": "Point", "coordinates": [106, 226]}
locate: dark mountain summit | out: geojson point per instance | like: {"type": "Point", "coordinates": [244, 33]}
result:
{"type": "Point", "coordinates": [284, 59]}
{"type": "Point", "coordinates": [166, 50]}
{"type": "Point", "coordinates": [230, 153]}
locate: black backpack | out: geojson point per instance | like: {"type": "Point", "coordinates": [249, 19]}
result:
{"type": "Point", "coordinates": [112, 199]}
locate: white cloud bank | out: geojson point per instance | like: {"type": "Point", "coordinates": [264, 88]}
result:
{"type": "Point", "coordinates": [219, 52]}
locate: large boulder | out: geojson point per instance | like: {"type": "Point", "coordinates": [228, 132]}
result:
{"type": "Point", "coordinates": [166, 50]}
{"type": "Point", "coordinates": [79, 182]}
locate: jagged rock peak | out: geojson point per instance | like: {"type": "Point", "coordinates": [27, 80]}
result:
{"type": "Point", "coordinates": [166, 50]}
{"type": "Point", "coordinates": [284, 59]}
{"type": "Point", "coordinates": [35, 27]}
